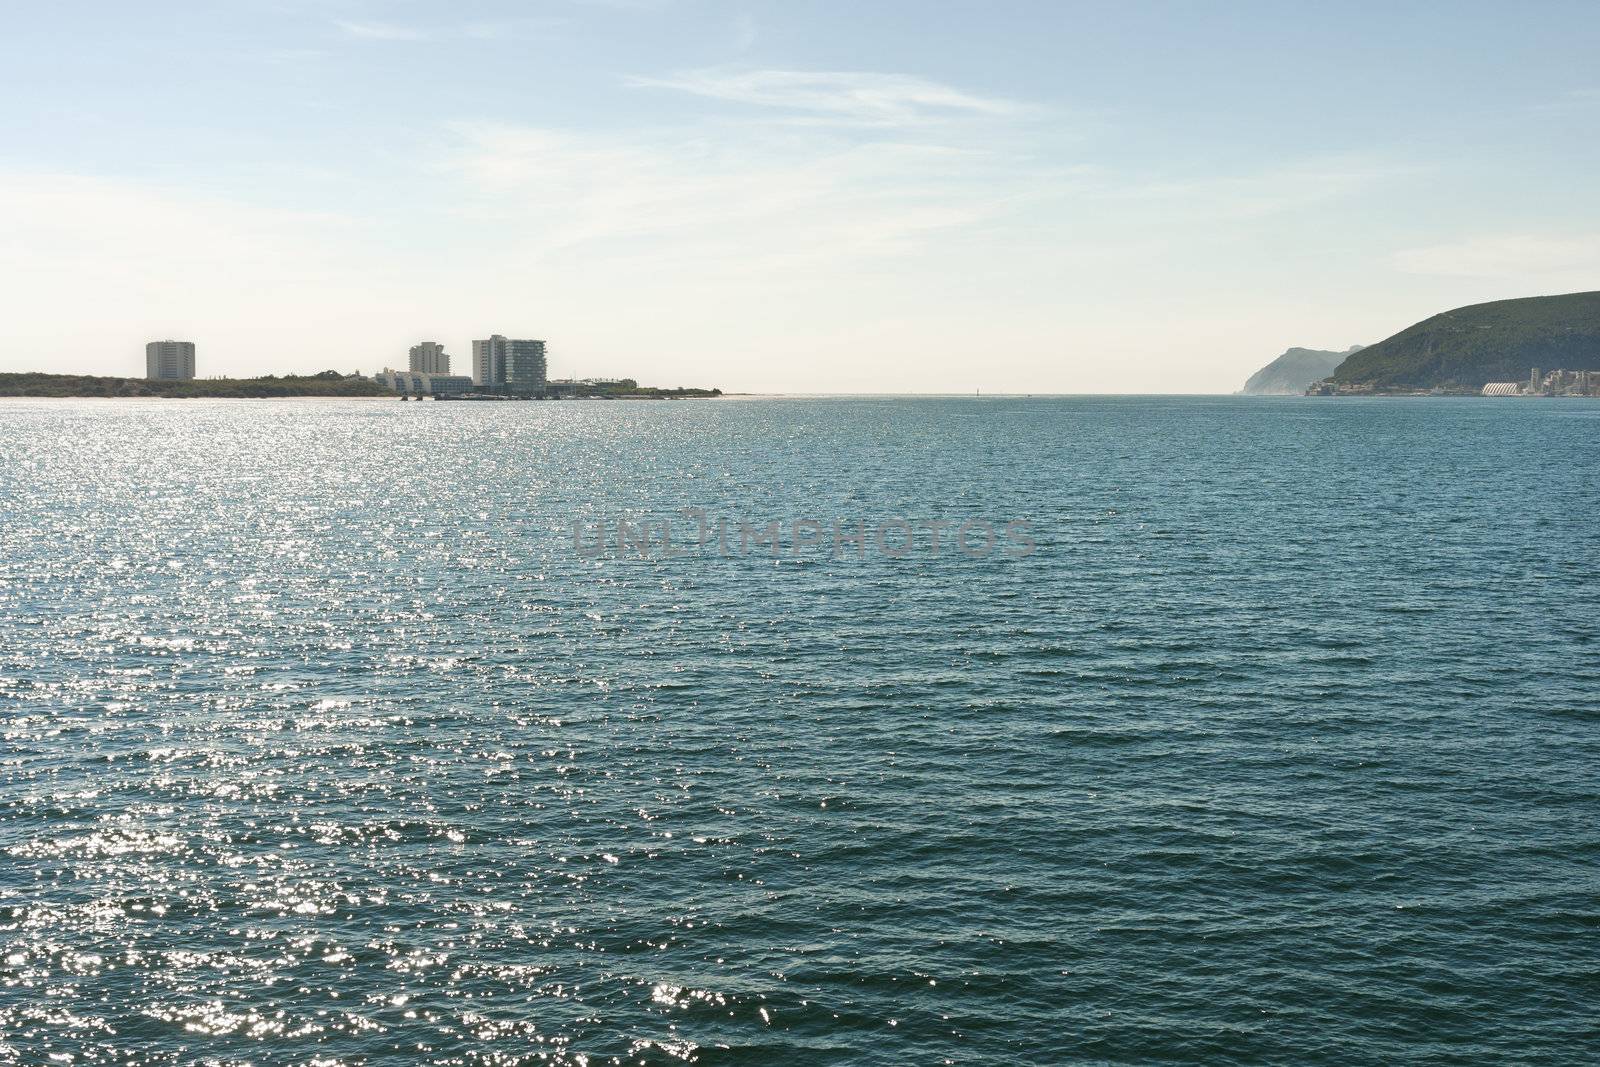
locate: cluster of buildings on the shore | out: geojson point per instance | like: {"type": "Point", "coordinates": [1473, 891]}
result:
{"type": "Point", "coordinates": [503, 368]}
{"type": "Point", "coordinates": [1556, 383]}
{"type": "Point", "coordinates": [500, 365]}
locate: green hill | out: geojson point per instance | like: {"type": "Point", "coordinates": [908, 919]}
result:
{"type": "Point", "coordinates": [1495, 342]}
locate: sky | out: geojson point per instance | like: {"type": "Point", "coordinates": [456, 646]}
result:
{"type": "Point", "coordinates": [836, 196]}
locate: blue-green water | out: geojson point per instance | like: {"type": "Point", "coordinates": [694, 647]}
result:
{"type": "Point", "coordinates": [323, 745]}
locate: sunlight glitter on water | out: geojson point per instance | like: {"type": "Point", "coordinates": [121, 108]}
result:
{"type": "Point", "coordinates": [306, 763]}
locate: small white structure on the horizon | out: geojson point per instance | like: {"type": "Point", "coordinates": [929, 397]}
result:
{"type": "Point", "coordinates": [1503, 389]}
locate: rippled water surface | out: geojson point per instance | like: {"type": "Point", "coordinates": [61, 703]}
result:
{"type": "Point", "coordinates": [321, 744]}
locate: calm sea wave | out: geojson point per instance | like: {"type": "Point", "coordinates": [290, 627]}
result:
{"type": "Point", "coordinates": [323, 745]}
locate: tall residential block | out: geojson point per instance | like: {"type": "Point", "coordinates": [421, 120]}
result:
{"type": "Point", "coordinates": [514, 364]}
{"type": "Point", "coordinates": [170, 361]}
{"type": "Point", "coordinates": [429, 357]}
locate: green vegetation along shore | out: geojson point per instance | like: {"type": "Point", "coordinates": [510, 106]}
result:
{"type": "Point", "coordinates": [328, 383]}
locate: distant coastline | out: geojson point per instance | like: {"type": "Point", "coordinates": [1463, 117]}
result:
{"type": "Point", "coordinates": [1500, 348]}
{"type": "Point", "coordinates": [328, 385]}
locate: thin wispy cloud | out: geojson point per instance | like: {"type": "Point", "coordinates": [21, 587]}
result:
{"type": "Point", "coordinates": [1504, 255]}
{"type": "Point", "coordinates": [745, 33]}
{"type": "Point", "coordinates": [382, 31]}
{"type": "Point", "coordinates": [625, 5]}
{"type": "Point", "coordinates": [507, 29]}
{"type": "Point", "coordinates": [517, 29]}
{"type": "Point", "coordinates": [1575, 100]}
{"type": "Point", "coordinates": [1291, 186]}
{"type": "Point", "coordinates": [857, 97]}
{"type": "Point", "coordinates": [724, 202]}
{"type": "Point", "coordinates": [99, 232]}
{"type": "Point", "coordinates": [294, 55]}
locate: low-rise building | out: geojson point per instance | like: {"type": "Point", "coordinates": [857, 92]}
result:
{"type": "Point", "coordinates": [416, 383]}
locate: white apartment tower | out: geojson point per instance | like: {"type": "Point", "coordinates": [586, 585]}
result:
{"type": "Point", "coordinates": [429, 357]}
{"type": "Point", "coordinates": [517, 365]}
{"type": "Point", "coordinates": [170, 361]}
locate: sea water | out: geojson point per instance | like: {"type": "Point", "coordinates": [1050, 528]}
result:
{"type": "Point", "coordinates": [341, 733]}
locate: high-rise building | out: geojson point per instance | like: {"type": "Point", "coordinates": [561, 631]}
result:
{"type": "Point", "coordinates": [517, 365]}
{"type": "Point", "coordinates": [429, 357]}
{"type": "Point", "coordinates": [170, 361]}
